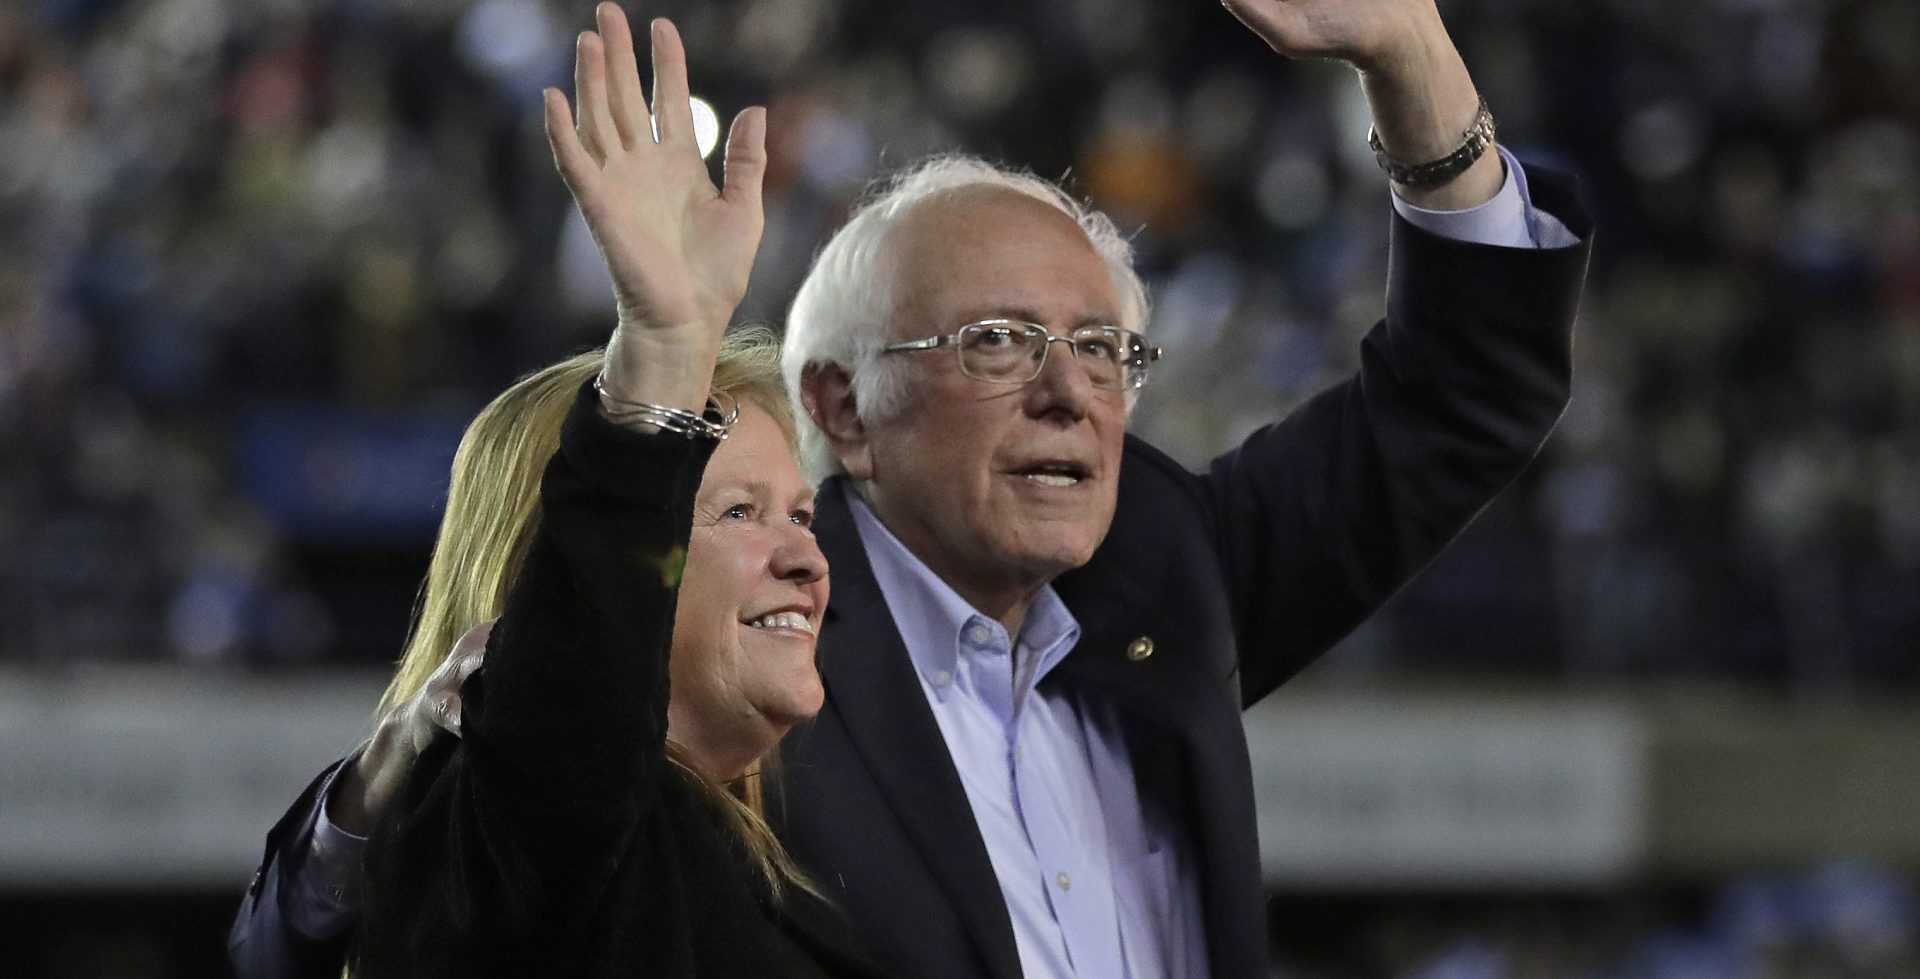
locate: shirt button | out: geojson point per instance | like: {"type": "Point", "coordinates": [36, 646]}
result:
{"type": "Point", "coordinates": [1065, 882]}
{"type": "Point", "coordinates": [978, 633]}
{"type": "Point", "coordinates": [942, 678]}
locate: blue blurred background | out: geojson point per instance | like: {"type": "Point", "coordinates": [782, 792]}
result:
{"type": "Point", "coordinates": [260, 261]}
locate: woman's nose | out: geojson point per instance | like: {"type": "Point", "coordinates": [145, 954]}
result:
{"type": "Point", "coordinates": [798, 558]}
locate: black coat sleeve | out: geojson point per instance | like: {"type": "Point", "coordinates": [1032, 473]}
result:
{"type": "Point", "coordinates": [502, 840]}
{"type": "Point", "coordinates": [1323, 515]}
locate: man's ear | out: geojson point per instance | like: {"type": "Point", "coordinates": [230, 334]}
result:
{"type": "Point", "coordinates": [826, 391]}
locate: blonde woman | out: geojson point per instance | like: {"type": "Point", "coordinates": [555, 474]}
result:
{"type": "Point", "coordinates": [635, 520]}
{"type": "Point", "coordinates": [588, 822]}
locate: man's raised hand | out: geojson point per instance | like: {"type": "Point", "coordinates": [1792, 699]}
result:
{"type": "Point", "coordinates": [1370, 34]}
{"type": "Point", "coordinates": [1422, 97]}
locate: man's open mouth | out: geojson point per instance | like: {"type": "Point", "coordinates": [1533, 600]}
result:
{"type": "Point", "coordinates": [1055, 473]}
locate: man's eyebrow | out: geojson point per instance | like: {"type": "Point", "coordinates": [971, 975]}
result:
{"type": "Point", "coordinates": [1018, 312]}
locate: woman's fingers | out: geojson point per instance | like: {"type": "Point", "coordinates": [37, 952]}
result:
{"type": "Point", "coordinates": [626, 104]}
{"type": "Point", "coordinates": [746, 160]}
{"type": "Point", "coordinates": [672, 99]}
{"type": "Point", "coordinates": [576, 166]}
{"type": "Point", "coordinates": [613, 111]}
{"type": "Point", "coordinates": [597, 131]}
{"type": "Point", "coordinates": [640, 204]}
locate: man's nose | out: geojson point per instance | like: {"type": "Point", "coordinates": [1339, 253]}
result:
{"type": "Point", "coordinates": [1064, 386]}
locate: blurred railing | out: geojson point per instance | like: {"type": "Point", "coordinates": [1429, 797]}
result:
{"type": "Point", "coordinates": [141, 777]}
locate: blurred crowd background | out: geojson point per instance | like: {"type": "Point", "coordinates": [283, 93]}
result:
{"type": "Point", "coordinates": [260, 261]}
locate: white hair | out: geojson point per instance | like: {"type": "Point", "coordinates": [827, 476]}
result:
{"type": "Point", "coordinates": [840, 315]}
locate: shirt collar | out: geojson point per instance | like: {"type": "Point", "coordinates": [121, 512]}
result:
{"type": "Point", "coordinates": [933, 620]}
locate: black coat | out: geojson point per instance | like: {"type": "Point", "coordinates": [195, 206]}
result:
{"type": "Point", "coordinates": [1239, 577]}
{"type": "Point", "coordinates": [554, 838]}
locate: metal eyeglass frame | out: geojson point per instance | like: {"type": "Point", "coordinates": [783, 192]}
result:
{"type": "Point", "coordinates": [1133, 371]}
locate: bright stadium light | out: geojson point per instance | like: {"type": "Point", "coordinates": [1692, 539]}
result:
{"type": "Point", "coordinates": [706, 126]}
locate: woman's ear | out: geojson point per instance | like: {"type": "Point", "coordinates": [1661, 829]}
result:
{"type": "Point", "coordinates": [826, 391]}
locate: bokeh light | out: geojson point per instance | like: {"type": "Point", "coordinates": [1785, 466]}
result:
{"type": "Point", "coordinates": [706, 126]}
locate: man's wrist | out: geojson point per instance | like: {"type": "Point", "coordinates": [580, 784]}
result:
{"type": "Point", "coordinates": [343, 803]}
{"type": "Point", "coordinates": [1474, 141]}
{"type": "Point", "coordinates": [1421, 114]}
{"type": "Point", "coordinates": [336, 831]}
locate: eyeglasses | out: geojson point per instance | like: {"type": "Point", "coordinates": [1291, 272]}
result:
{"type": "Point", "coordinates": [1003, 351]}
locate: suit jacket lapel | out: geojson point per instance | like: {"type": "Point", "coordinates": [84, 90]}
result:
{"type": "Point", "coordinates": [870, 681]}
{"type": "Point", "coordinates": [1165, 686]}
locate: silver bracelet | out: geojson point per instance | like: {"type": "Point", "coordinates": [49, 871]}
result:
{"type": "Point", "coordinates": [714, 422]}
{"type": "Point", "coordinates": [1473, 143]}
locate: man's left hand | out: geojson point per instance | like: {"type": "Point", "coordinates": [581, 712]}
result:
{"type": "Point", "coordinates": [1372, 35]}
{"type": "Point", "coordinates": [1423, 99]}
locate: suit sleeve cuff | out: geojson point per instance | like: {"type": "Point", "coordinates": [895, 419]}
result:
{"type": "Point", "coordinates": [1508, 220]}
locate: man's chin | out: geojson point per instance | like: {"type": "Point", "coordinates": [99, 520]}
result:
{"type": "Point", "coordinates": [1046, 559]}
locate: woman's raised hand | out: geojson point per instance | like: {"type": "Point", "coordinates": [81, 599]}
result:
{"type": "Point", "coordinates": [679, 249]}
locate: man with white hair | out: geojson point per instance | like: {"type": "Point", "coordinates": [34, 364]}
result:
{"type": "Point", "coordinates": [1043, 631]}
{"type": "Point", "coordinates": [1030, 760]}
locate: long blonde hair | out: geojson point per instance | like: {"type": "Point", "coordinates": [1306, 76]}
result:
{"type": "Point", "coordinates": [493, 510]}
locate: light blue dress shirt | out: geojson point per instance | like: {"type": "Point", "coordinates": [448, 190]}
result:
{"type": "Point", "coordinates": [1047, 775]}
